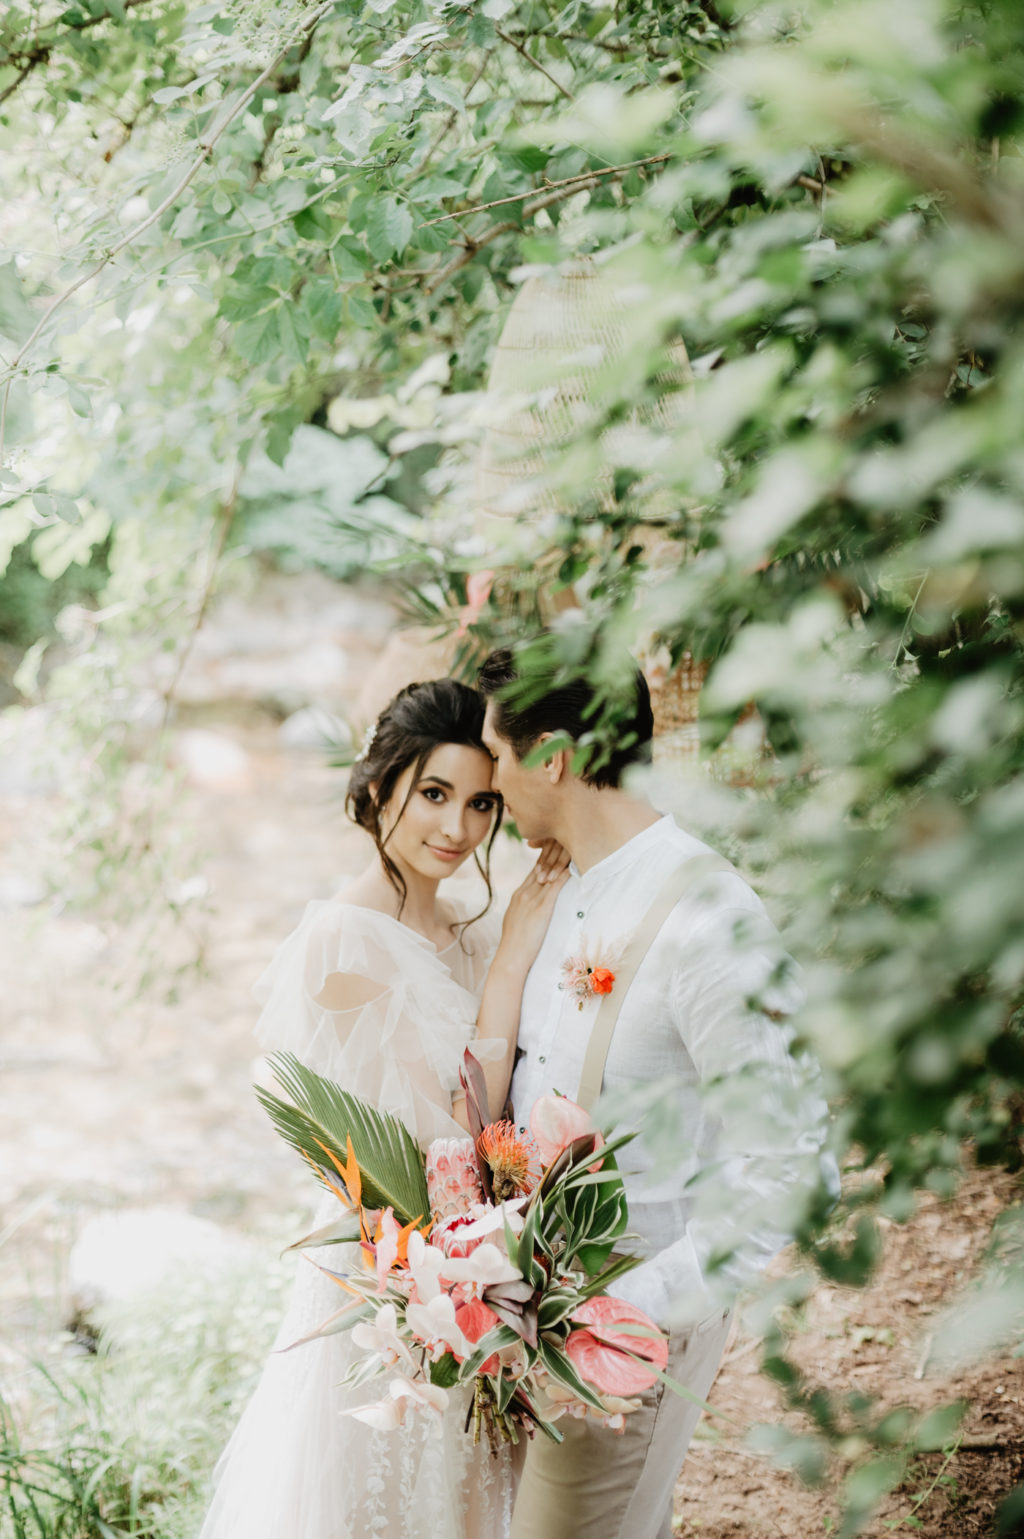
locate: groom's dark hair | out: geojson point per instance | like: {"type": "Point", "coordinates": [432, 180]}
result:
{"type": "Point", "coordinates": [556, 700]}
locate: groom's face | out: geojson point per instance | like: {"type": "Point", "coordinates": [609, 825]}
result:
{"type": "Point", "coordinates": [527, 793]}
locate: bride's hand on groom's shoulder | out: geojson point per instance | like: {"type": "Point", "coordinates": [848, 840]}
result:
{"type": "Point", "coordinates": [529, 910]}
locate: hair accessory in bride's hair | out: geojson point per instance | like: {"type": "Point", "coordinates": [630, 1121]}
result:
{"type": "Point", "coordinates": [367, 744]}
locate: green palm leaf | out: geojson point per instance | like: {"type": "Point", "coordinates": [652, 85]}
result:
{"type": "Point", "coordinates": [320, 1114]}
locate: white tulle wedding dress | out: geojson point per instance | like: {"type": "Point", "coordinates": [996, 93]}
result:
{"type": "Point", "coordinates": [297, 1467]}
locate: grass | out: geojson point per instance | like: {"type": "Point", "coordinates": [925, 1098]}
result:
{"type": "Point", "coordinates": [123, 1442]}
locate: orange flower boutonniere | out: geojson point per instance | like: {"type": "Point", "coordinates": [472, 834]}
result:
{"type": "Point", "coordinates": [584, 980]}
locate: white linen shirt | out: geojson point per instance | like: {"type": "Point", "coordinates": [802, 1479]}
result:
{"type": "Point", "coordinates": [716, 1180]}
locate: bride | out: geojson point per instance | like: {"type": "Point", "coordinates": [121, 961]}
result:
{"type": "Point", "coordinates": [381, 988]}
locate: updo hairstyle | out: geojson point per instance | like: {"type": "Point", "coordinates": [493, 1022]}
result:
{"type": "Point", "coordinates": [419, 719]}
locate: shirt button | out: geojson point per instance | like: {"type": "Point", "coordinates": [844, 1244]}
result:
{"type": "Point", "coordinates": [579, 913]}
{"type": "Point", "coordinates": [542, 1059]}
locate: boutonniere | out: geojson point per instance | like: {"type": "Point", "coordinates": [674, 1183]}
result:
{"type": "Point", "coordinates": [585, 979]}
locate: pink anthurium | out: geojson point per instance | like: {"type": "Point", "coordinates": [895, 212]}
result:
{"type": "Point", "coordinates": [555, 1121]}
{"type": "Point", "coordinates": [605, 1351]}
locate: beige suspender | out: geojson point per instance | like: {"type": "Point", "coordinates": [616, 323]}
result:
{"type": "Point", "coordinates": [677, 884]}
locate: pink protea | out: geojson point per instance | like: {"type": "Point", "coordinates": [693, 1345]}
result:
{"type": "Point", "coordinates": [453, 1178]}
{"type": "Point", "coordinates": [447, 1235]}
{"type": "Point", "coordinates": [459, 1236]}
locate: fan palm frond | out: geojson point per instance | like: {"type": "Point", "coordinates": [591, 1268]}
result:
{"type": "Point", "coordinates": [318, 1115]}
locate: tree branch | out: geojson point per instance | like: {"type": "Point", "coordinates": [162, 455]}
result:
{"type": "Point", "coordinates": [609, 44]}
{"type": "Point", "coordinates": [568, 181]}
{"type": "Point", "coordinates": [206, 147]}
{"type": "Point", "coordinates": [466, 256]}
{"type": "Point", "coordinates": [520, 49]}
{"type": "Point", "coordinates": [10, 90]}
{"type": "Point", "coordinates": [227, 515]}
{"type": "Point", "coordinates": [449, 121]}
{"type": "Point", "coordinates": [617, 46]}
{"type": "Point", "coordinates": [31, 58]}
{"type": "Point", "coordinates": [935, 170]}
{"type": "Point", "coordinates": [562, 190]}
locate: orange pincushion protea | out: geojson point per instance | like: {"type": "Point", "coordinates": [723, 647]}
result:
{"type": "Point", "coordinates": [513, 1158]}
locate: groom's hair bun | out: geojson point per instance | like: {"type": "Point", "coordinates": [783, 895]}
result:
{"type": "Point", "coordinates": [552, 697]}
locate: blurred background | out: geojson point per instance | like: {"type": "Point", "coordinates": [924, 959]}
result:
{"type": "Point", "coordinates": [339, 343]}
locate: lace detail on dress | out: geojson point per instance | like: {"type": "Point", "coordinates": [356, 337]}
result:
{"type": "Point", "coordinates": [296, 1467]}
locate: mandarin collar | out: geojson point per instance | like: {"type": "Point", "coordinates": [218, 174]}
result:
{"type": "Point", "coordinates": [625, 855]}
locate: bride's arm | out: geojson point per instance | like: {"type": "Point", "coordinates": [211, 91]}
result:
{"type": "Point", "coordinates": [522, 934]}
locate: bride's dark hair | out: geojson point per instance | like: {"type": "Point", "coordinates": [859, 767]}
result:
{"type": "Point", "coordinates": [419, 719]}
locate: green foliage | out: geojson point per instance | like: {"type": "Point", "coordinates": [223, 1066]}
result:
{"type": "Point", "coordinates": [319, 1116]}
{"type": "Point", "coordinates": [824, 205]}
{"type": "Point", "coordinates": [318, 507]}
{"type": "Point", "coordinates": [445, 1371]}
{"type": "Point", "coordinates": [30, 600]}
{"type": "Point", "coordinates": [123, 1442]}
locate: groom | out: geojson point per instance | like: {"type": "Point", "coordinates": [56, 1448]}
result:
{"type": "Point", "coordinates": [699, 1019]}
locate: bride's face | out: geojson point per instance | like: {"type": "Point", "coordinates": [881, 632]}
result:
{"type": "Point", "coordinates": [434, 825]}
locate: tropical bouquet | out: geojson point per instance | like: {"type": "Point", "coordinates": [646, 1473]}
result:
{"type": "Point", "coordinates": [484, 1261]}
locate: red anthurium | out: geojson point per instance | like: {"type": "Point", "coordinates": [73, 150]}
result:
{"type": "Point", "coordinates": [604, 1353]}
{"type": "Point", "coordinates": [475, 1320]}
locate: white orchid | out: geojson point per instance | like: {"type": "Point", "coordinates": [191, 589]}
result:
{"type": "Point", "coordinates": [420, 1394]}
{"type": "Point", "coordinates": [434, 1324]}
{"type": "Point", "coordinates": [514, 1361]}
{"type": "Point", "coordinates": [487, 1221]}
{"type": "Point", "coordinates": [486, 1265]}
{"type": "Point", "coordinates": [383, 1415]}
{"type": "Point", "coordinates": [403, 1395]}
{"type": "Point", "coordinates": [380, 1335]}
{"type": "Point", "coordinates": [425, 1262]}
{"type": "Point", "coordinates": [558, 1400]}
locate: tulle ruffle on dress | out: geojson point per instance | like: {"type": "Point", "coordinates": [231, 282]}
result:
{"type": "Point", "coordinates": [403, 1050]}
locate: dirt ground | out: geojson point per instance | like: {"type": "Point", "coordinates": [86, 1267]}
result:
{"type": "Point", "coordinates": [113, 1099]}
{"type": "Point", "coordinates": [878, 1341]}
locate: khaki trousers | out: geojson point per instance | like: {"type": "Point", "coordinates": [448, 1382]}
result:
{"type": "Point", "coordinates": [600, 1484]}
